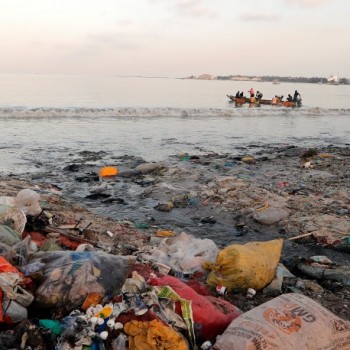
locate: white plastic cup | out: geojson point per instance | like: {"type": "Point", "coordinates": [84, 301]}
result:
{"type": "Point", "coordinates": [206, 345]}
{"type": "Point", "coordinates": [250, 293]}
{"type": "Point", "coordinates": [222, 290]}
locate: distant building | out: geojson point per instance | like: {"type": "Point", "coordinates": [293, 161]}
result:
{"type": "Point", "coordinates": [206, 77]}
{"type": "Point", "coordinates": [333, 79]}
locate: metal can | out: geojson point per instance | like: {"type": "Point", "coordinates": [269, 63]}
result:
{"type": "Point", "coordinates": [222, 290]}
{"type": "Point", "coordinates": [206, 345]}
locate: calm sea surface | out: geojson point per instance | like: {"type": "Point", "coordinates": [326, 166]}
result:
{"type": "Point", "coordinates": [52, 117]}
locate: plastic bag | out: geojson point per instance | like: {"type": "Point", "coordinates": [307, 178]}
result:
{"type": "Point", "coordinates": [148, 335]}
{"type": "Point", "coordinates": [68, 277]}
{"type": "Point", "coordinates": [7, 252]}
{"type": "Point", "coordinates": [288, 322]}
{"type": "Point", "coordinates": [10, 280]}
{"type": "Point", "coordinates": [183, 253]}
{"type": "Point", "coordinates": [252, 265]}
{"type": "Point", "coordinates": [212, 314]}
{"type": "Point", "coordinates": [8, 236]}
{"type": "Point", "coordinates": [27, 200]}
{"type": "Point", "coordinates": [14, 218]}
{"type": "Point", "coordinates": [13, 312]}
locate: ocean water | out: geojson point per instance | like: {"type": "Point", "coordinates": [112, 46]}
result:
{"type": "Point", "coordinates": [49, 118]}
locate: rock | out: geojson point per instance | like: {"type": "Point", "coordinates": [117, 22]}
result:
{"type": "Point", "coordinates": [313, 286]}
{"type": "Point", "coordinates": [270, 215]}
{"type": "Point", "coordinates": [147, 168]}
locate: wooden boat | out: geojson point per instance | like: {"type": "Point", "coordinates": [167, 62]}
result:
{"type": "Point", "coordinates": [243, 100]}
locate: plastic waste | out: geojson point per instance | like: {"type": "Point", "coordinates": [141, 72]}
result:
{"type": "Point", "coordinates": [213, 314]}
{"type": "Point", "coordinates": [29, 269]}
{"type": "Point", "coordinates": [6, 251]}
{"type": "Point", "coordinates": [27, 200]}
{"type": "Point", "coordinates": [183, 253]}
{"type": "Point", "coordinates": [14, 218]}
{"type": "Point", "coordinates": [8, 236]}
{"type": "Point", "coordinates": [252, 265]}
{"type": "Point", "coordinates": [288, 322]}
{"type": "Point", "coordinates": [92, 299]}
{"type": "Point", "coordinates": [332, 272]}
{"type": "Point", "coordinates": [13, 312]}
{"type": "Point", "coordinates": [275, 287]}
{"type": "Point", "coordinates": [69, 277]}
{"type": "Point", "coordinates": [108, 171]}
{"type": "Point", "coordinates": [148, 335]}
{"type": "Point", "coordinates": [53, 325]}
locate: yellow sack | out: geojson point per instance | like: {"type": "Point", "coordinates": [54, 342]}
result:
{"type": "Point", "coordinates": [153, 335]}
{"type": "Point", "coordinates": [252, 265]}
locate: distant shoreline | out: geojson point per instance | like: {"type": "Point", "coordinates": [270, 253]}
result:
{"type": "Point", "coordinates": [274, 79]}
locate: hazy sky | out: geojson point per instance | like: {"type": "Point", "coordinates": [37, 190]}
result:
{"type": "Point", "coordinates": [176, 38]}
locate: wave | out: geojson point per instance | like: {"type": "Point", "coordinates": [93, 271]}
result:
{"type": "Point", "coordinates": [76, 112]}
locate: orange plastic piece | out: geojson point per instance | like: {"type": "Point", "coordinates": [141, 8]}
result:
{"type": "Point", "coordinates": [92, 299]}
{"type": "Point", "coordinates": [105, 312]}
{"type": "Point", "coordinates": [108, 171]}
{"type": "Point", "coordinates": [165, 233]}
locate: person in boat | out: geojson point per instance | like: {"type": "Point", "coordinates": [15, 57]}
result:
{"type": "Point", "coordinates": [274, 100]}
{"type": "Point", "coordinates": [251, 91]}
{"type": "Point", "coordinates": [241, 94]}
{"type": "Point", "coordinates": [259, 95]}
{"type": "Point", "coordinates": [296, 97]}
{"type": "Point", "coordinates": [237, 94]}
{"type": "Point", "coordinates": [290, 98]}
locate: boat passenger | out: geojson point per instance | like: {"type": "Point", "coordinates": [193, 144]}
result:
{"type": "Point", "coordinates": [296, 97]}
{"type": "Point", "coordinates": [252, 99]}
{"type": "Point", "coordinates": [290, 98]}
{"type": "Point", "coordinates": [274, 100]}
{"type": "Point", "coordinates": [237, 94]}
{"type": "Point", "coordinates": [251, 91]}
{"type": "Point", "coordinates": [259, 95]}
{"type": "Point", "coordinates": [241, 94]}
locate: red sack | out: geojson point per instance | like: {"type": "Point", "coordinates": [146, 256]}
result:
{"type": "Point", "coordinates": [213, 314]}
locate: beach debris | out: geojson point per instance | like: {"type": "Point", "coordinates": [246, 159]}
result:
{"type": "Point", "coordinates": [250, 293]}
{"type": "Point", "coordinates": [108, 171]}
{"type": "Point", "coordinates": [249, 160]}
{"type": "Point", "coordinates": [294, 319]}
{"type": "Point", "coordinates": [275, 286]}
{"type": "Point", "coordinates": [147, 168]}
{"type": "Point", "coordinates": [181, 252]}
{"type": "Point", "coordinates": [68, 277]}
{"type": "Point", "coordinates": [326, 271]}
{"type": "Point", "coordinates": [211, 313]}
{"type": "Point", "coordinates": [100, 188]}
{"type": "Point", "coordinates": [251, 265]}
{"type": "Point", "coordinates": [164, 206]}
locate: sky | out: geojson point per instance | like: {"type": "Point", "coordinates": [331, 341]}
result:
{"type": "Point", "coordinates": [176, 38]}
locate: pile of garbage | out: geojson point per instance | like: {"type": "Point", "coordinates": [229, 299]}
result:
{"type": "Point", "coordinates": [61, 289]}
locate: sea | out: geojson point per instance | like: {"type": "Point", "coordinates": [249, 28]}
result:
{"type": "Point", "coordinates": [50, 118]}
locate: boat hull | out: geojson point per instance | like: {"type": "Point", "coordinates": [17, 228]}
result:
{"type": "Point", "coordinates": [243, 100]}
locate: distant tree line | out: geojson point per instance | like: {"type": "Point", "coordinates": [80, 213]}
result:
{"type": "Point", "coordinates": [270, 78]}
